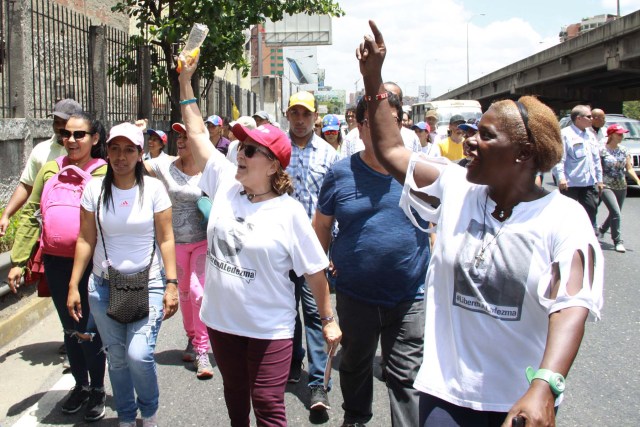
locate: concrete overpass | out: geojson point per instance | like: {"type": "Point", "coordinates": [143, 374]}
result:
{"type": "Point", "coordinates": [600, 67]}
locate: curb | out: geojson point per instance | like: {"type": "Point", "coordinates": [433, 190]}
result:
{"type": "Point", "coordinates": [25, 318]}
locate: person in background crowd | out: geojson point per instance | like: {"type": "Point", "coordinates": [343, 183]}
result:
{"type": "Point", "coordinates": [226, 127]}
{"type": "Point", "coordinates": [350, 117]}
{"type": "Point", "coordinates": [246, 121]}
{"type": "Point", "coordinates": [431, 117]}
{"type": "Point", "coordinates": [42, 153]}
{"type": "Point", "coordinates": [311, 158]}
{"type": "Point", "coordinates": [181, 177]}
{"type": "Point", "coordinates": [615, 161]}
{"type": "Point", "coordinates": [598, 119]}
{"type": "Point", "coordinates": [156, 143]}
{"type": "Point", "coordinates": [215, 127]}
{"type": "Point", "coordinates": [84, 139]}
{"type": "Point", "coordinates": [261, 118]}
{"type": "Point", "coordinates": [580, 170]}
{"type": "Point", "coordinates": [317, 126]}
{"type": "Point", "coordinates": [406, 120]}
{"type": "Point", "coordinates": [124, 216]}
{"type": "Point", "coordinates": [532, 307]}
{"type": "Point", "coordinates": [409, 137]}
{"type": "Point", "coordinates": [423, 131]}
{"type": "Point", "coordinates": [379, 282]}
{"type": "Point", "coordinates": [256, 234]}
{"type": "Point", "coordinates": [331, 131]}
{"type": "Point", "coordinates": [451, 147]}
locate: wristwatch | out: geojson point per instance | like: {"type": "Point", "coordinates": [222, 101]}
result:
{"type": "Point", "coordinates": [555, 380]}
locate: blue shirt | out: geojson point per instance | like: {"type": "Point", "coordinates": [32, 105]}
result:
{"type": "Point", "coordinates": [580, 164]}
{"type": "Point", "coordinates": [307, 169]}
{"type": "Point", "coordinates": [380, 257]}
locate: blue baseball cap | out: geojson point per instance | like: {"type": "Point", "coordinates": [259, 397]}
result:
{"type": "Point", "coordinates": [471, 124]}
{"type": "Point", "coordinates": [159, 134]}
{"type": "Point", "coordinates": [330, 122]}
{"type": "Point", "coordinates": [422, 126]}
{"type": "Point", "coordinates": [214, 120]}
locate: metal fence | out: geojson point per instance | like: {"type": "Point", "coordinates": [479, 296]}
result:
{"type": "Point", "coordinates": [61, 68]}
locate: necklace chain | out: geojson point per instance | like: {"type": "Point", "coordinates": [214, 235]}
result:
{"type": "Point", "coordinates": [251, 196]}
{"type": "Point", "coordinates": [479, 258]}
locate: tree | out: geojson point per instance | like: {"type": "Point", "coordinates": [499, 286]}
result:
{"type": "Point", "coordinates": [631, 109]}
{"type": "Point", "coordinates": [166, 24]}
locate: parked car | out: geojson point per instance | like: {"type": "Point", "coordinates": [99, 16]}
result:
{"type": "Point", "coordinates": [631, 140]}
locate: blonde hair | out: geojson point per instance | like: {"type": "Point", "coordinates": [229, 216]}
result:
{"type": "Point", "coordinates": [281, 182]}
{"type": "Point", "coordinates": [546, 141]}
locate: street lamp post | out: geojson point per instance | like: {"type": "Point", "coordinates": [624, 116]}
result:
{"type": "Point", "coordinates": [468, 21]}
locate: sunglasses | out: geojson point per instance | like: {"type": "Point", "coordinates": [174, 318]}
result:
{"type": "Point", "coordinates": [331, 132]}
{"type": "Point", "coordinates": [77, 134]}
{"type": "Point", "coordinates": [251, 150]}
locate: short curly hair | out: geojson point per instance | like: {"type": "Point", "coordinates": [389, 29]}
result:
{"type": "Point", "coordinates": [543, 124]}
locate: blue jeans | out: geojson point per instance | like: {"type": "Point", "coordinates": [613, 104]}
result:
{"type": "Point", "coordinates": [85, 357]}
{"type": "Point", "coordinates": [130, 349]}
{"type": "Point", "coordinates": [613, 200]}
{"type": "Point", "coordinates": [316, 355]}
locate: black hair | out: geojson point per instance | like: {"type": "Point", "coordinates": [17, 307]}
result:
{"type": "Point", "coordinates": [98, 151]}
{"type": "Point", "coordinates": [107, 184]}
{"type": "Point", "coordinates": [362, 107]}
{"type": "Point", "coordinates": [396, 85]}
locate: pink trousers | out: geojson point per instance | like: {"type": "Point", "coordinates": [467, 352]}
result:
{"type": "Point", "coordinates": [190, 262]}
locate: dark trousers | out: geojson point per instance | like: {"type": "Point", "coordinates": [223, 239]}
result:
{"type": "Point", "coordinates": [254, 371]}
{"type": "Point", "coordinates": [86, 358]}
{"type": "Point", "coordinates": [400, 330]}
{"type": "Point", "coordinates": [588, 197]}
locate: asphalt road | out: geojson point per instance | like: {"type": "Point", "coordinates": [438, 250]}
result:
{"type": "Point", "coordinates": [602, 389]}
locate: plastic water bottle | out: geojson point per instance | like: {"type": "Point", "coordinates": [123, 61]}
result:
{"type": "Point", "coordinates": [192, 47]}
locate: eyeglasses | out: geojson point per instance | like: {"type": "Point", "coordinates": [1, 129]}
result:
{"type": "Point", "coordinates": [331, 132]}
{"type": "Point", "coordinates": [351, 116]}
{"type": "Point", "coordinates": [588, 116]}
{"type": "Point", "coordinates": [251, 150]}
{"type": "Point", "coordinates": [397, 119]}
{"type": "Point", "coordinates": [77, 134]}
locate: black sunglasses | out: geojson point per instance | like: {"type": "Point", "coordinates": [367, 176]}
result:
{"type": "Point", "coordinates": [251, 150]}
{"type": "Point", "coordinates": [77, 134]}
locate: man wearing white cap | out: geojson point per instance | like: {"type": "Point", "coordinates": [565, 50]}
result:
{"type": "Point", "coordinates": [41, 154]}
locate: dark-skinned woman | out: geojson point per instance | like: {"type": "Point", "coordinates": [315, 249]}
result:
{"type": "Point", "coordinates": [514, 274]}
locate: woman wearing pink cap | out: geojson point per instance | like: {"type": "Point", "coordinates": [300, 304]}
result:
{"type": "Point", "coordinates": [255, 235]}
{"type": "Point", "coordinates": [123, 219]}
{"type": "Point", "coordinates": [615, 160]}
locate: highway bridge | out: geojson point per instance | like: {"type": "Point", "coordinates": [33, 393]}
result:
{"type": "Point", "coordinates": [600, 67]}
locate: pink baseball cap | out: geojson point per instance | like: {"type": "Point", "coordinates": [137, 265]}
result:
{"type": "Point", "coordinates": [268, 136]}
{"type": "Point", "coordinates": [127, 130]}
{"type": "Point", "coordinates": [616, 129]}
{"type": "Point", "coordinates": [179, 127]}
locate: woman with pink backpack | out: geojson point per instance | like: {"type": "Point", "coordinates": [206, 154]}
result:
{"type": "Point", "coordinates": [56, 194]}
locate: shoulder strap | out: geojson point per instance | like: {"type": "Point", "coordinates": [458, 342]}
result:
{"type": "Point", "coordinates": [61, 161]}
{"type": "Point", "coordinates": [94, 164]}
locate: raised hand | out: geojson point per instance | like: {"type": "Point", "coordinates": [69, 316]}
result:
{"type": "Point", "coordinates": [371, 53]}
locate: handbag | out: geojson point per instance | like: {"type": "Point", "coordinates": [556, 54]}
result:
{"type": "Point", "coordinates": [128, 293]}
{"type": "Point", "coordinates": [35, 272]}
{"type": "Point", "coordinates": [204, 206]}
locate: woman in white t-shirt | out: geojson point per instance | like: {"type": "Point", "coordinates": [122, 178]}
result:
{"type": "Point", "coordinates": [129, 215]}
{"type": "Point", "coordinates": [181, 178]}
{"type": "Point", "coordinates": [515, 271]}
{"type": "Point", "coordinates": [255, 235]}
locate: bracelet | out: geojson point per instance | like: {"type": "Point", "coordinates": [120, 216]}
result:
{"type": "Point", "coordinates": [378, 97]}
{"type": "Point", "coordinates": [188, 101]}
{"type": "Point", "coordinates": [327, 319]}
{"type": "Point", "coordinates": [173, 281]}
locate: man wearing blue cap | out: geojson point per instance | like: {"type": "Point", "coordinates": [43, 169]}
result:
{"type": "Point", "coordinates": [214, 126]}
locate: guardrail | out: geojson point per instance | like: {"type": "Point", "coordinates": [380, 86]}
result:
{"type": "Point", "coordinates": [5, 265]}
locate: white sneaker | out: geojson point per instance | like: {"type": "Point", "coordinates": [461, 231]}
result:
{"type": "Point", "coordinates": [130, 424]}
{"type": "Point", "coordinates": [152, 421]}
{"type": "Point", "coordinates": [620, 248]}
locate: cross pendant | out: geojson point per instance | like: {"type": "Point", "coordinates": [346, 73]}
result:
{"type": "Point", "coordinates": [479, 259]}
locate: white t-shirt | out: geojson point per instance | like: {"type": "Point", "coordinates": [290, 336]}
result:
{"type": "Point", "coordinates": [129, 229]}
{"type": "Point", "coordinates": [251, 248]}
{"type": "Point", "coordinates": [487, 320]}
{"type": "Point", "coordinates": [184, 192]}
{"type": "Point", "coordinates": [42, 153]}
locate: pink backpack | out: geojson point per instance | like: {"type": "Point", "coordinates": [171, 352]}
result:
{"type": "Point", "coordinates": [60, 207]}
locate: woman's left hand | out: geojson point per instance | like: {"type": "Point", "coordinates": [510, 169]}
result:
{"type": "Point", "coordinates": [332, 334]}
{"type": "Point", "coordinates": [170, 301]}
{"type": "Point", "coordinates": [536, 407]}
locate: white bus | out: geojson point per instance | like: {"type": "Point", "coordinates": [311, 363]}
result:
{"type": "Point", "coordinates": [469, 109]}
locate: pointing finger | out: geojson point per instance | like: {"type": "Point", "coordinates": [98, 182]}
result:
{"type": "Point", "coordinates": [376, 33]}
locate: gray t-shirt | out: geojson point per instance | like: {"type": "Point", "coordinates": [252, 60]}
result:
{"type": "Point", "coordinates": [183, 189]}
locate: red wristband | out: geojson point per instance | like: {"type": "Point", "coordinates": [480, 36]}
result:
{"type": "Point", "coordinates": [378, 97]}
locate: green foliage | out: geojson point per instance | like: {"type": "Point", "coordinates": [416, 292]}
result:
{"type": "Point", "coordinates": [166, 24]}
{"type": "Point", "coordinates": [631, 109]}
{"type": "Point", "coordinates": [6, 241]}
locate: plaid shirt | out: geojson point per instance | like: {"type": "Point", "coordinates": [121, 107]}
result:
{"type": "Point", "coordinates": [307, 169]}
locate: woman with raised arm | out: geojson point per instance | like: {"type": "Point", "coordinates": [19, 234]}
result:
{"type": "Point", "coordinates": [255, 235]}
{"type": "Point", "coordinates": [515, 271]}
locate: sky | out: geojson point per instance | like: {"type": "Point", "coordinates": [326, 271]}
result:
{"type": "Point", "coordinates": [427, 43]}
